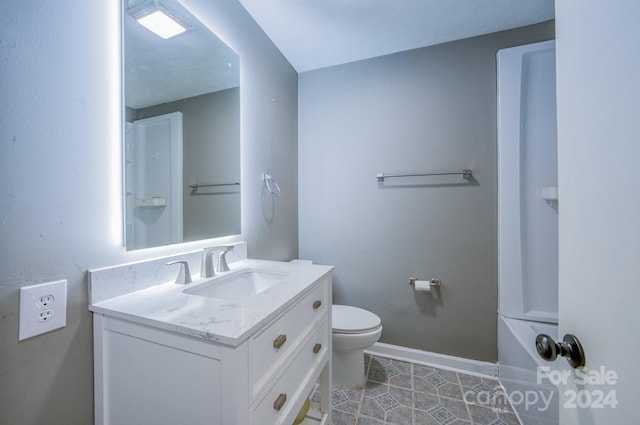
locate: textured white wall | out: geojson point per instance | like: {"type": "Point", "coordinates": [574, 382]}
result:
{"type": "Point", "coordinates": [60, 179]}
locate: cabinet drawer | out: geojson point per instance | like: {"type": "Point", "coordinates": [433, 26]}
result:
{"type": "Point", "coordinates": [293, 386]}
{"type": "Point", "coordinates": [271, 347]}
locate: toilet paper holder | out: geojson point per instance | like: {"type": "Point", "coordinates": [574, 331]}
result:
{"type": "Point", "coordinates": [434, 283]}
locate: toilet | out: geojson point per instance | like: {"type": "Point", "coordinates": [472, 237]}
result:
{"type": "Point", "coordinates": [353, 330]}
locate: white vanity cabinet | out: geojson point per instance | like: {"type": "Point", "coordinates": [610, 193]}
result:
{"type": "Point", "coordinates": [147, 374]}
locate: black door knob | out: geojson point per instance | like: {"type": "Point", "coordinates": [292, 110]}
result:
{"type": "Point", "coordinates": [570, 348]}
{"type": "Point", "coordinates": [546, 347]}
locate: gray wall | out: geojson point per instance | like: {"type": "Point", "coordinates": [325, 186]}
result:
{"type": "Point", "coordinates": [430, 109]}
{"type": "Point", "coordinates": [60, 165]}
{"type": "Point", "coordinates": [211, 139]}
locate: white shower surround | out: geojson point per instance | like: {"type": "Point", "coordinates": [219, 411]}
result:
{"type": "Point", "coordinates": [527, 224]}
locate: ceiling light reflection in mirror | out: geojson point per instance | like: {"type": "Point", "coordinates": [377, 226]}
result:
{"type": "Point", "coordinates": [182, 113]}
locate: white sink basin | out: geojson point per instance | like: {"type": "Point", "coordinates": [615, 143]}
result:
{"type": "Point", "coordinates": [239, 285]}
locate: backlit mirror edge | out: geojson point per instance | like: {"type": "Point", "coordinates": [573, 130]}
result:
{"type": "Point", "coordinates": [182, 247]}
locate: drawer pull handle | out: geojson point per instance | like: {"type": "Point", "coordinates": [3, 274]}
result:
{"type": "Point", "coordinates": [279, 341]}
{"type": "Point", "coordinates": [280, 401]}
{"type": "Point", "coordinates": [316, 348]}
{"type": "Point", "coordinates": [317, 304]}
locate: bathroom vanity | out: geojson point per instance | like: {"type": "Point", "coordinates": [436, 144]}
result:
{"type": "Point", "coordinates": [244, 347]}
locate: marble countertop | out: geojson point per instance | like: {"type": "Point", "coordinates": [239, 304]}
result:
{"type": "Point", "coordinates": [168, 306]}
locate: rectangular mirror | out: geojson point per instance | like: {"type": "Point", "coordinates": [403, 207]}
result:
{"type": "Point", "coordinates": [182, 130]}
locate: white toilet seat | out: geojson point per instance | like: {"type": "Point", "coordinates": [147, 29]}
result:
{"type": "Point", "coordinates": [353, 320]}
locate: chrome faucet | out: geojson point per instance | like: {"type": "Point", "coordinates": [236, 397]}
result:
{"type": "Point", "coordinates": [207, 268]}
{"type": "Point", "coordinates": [184, 275]}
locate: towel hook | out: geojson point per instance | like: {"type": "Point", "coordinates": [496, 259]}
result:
{"type": "Point", "coordinates": [271, 185]}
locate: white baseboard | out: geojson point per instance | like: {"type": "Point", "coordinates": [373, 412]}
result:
{"type": "Point", "coordinates": [442, 361]}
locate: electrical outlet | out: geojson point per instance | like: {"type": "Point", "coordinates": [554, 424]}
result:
{"type": "Point", "coordinates": [46, 300]}
{"type": "Point", "coordinates": [45, 315]}
{"type": "Point", "coordinates": [43, 308]}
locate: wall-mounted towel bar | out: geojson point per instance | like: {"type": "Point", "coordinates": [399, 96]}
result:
{"type": "Point", "coordinates": [466, 174]}
{"type": "Point", "coordinates": [195, 187]}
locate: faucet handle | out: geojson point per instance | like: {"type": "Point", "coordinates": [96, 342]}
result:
{"type": "Point", "coordinates": [222, 258]}
{"type": "Point", "coordinates": [207, 268]}
{"type": "Point", "coordinates": [184, 275]}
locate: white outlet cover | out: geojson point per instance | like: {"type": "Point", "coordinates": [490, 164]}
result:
{"type": "Point", "coordinates": [31, 307]}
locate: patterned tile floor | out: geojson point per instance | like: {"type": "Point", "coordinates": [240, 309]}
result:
{"type": "Point", "coordinates": [401, 393]}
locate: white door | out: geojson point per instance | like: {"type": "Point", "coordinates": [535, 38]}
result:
{"type": "Point", "coordinates": [598, 93]}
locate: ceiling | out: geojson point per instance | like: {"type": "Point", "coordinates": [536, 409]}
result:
{"type": "Point", "coordinates": [311, 34]}
{"type": "Point", "coordinates": [160, 71]}
{"type": "Point", "coordinates": [315, 34]}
